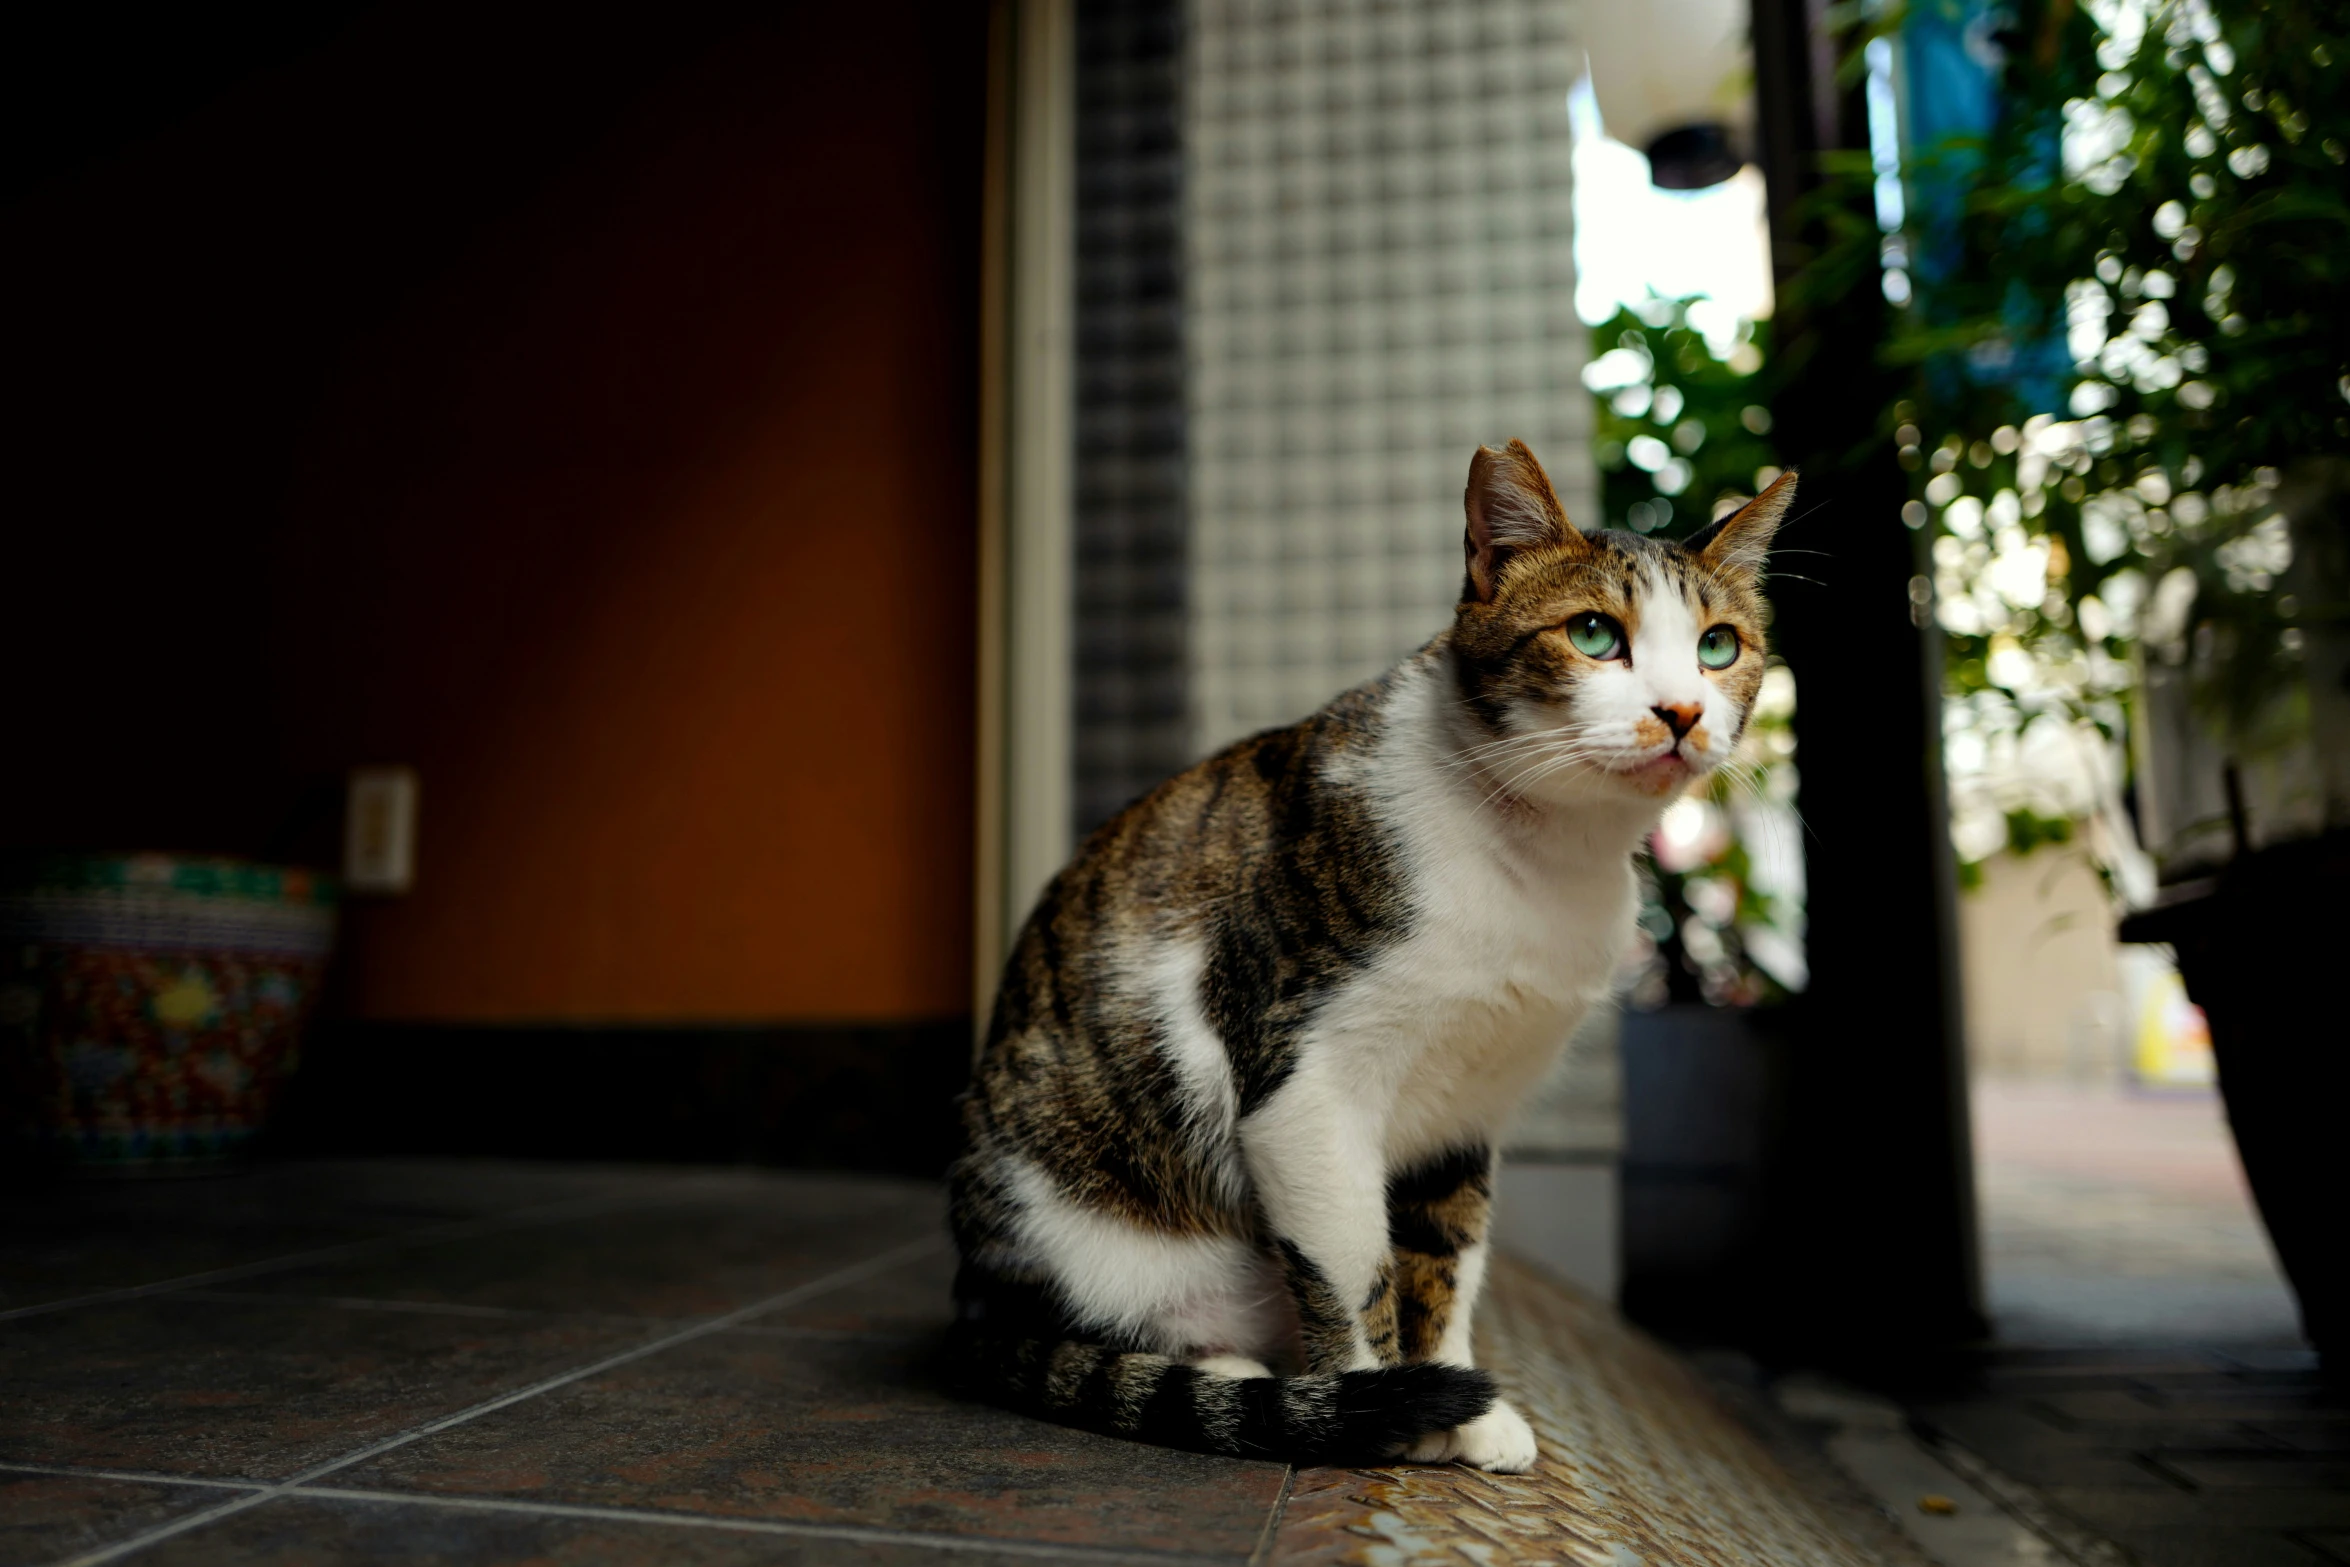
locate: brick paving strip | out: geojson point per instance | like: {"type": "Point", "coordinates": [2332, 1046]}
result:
{"type": "Point", "coordinates": [1642, 1466]}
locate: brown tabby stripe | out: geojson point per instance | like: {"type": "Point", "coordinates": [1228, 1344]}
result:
{"type": "Point", "coordinates": [1424, 1301]}
{"type": "Point", "coordinates": [1292, 888]}
{"type": "Point", "coordinates": [1379, 1314]}
{"type": "Point", "coordinates": [1435, 1211]}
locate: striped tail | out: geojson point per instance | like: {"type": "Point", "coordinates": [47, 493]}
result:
{"type": "Point", "coordinates": [1342, 1417]}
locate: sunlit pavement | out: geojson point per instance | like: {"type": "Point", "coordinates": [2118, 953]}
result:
{"type": "Point", "coordinates": [2116, 1217]}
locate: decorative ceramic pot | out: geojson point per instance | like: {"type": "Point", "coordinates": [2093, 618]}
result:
{"type": "Point", "coordinates": [151, 1005]}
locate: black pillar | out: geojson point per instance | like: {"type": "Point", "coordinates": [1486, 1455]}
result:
{"type": "Point", "coordinates": [1873, 1210]}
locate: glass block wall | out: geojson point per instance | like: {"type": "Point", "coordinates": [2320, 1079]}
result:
{"type": "Point", "coordinates": [1378, 276]}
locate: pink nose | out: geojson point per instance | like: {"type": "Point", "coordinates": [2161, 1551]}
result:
{"type": "Point", "coordinates": [1680, 717]}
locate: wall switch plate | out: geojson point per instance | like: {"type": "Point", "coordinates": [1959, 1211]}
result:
{"type": "Point", "coordinates": [379, 830]}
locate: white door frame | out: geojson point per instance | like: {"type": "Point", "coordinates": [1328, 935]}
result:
{"type": "Point", "coordinates": [1026, 469]}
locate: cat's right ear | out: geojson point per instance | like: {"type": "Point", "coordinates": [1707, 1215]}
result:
{"type": "Point", "coordinates": [1741, 542]}
{"type": "Point", "coordinates": [1511, 507]}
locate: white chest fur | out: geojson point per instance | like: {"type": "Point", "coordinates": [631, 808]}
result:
{"type": "Point", "coordinates": [1518, 925]}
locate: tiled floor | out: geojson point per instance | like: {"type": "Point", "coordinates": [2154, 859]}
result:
{"type": "Point", "coordinates": [476, 1364]}
{"type": "Point", "coordinates": [2182, 1458]}
{"type": "Point", "coordinates": [473, 1364]}
{"type": "Point", "coordinates": [445, 1363]}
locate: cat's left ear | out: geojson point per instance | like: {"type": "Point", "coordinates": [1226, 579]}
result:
{"type": "Point", "coordinates": [1511, 507]}
{"type": "Point", "coordinates": [1742, 541]}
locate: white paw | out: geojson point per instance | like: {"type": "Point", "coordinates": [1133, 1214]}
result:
{"type": "Point", "coordinates": [1498, 1441]}
{"type": "Point", "coordinates": [1239, 1367]}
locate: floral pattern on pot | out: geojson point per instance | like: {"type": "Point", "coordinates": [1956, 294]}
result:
{"type": "Point", "coordinates": [150, 1007]}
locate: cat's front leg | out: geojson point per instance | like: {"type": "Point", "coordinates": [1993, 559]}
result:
{"type": "Point", "coordinates": [1314, 1158]}
{"type": "Point", "coordinates": [1439, 1213]}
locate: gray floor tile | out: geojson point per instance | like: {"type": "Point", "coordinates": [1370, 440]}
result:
{"type": "Point", "coordinates": [301, 1531]}
{"type": "Point", "coordinates": [2276, 1510]}
{"type": "Point", "coordinates": [2169, 1436]}
{"type": "Point", "coordinates": [2028, 1449]}
{"type": "Point", "coordinates": [2332, 1544]}
{"type": "Point", "coordinates": [911, 1298]}
{"type": "Point", "coordinates": [840, 1430]}
{"type": "Point", "coordinates": [2279, 1471]}
{"type": "Point", "coordinates": [51, 1517]}
{"type": "Point", "coordinates": [2254, 1405]}
{"type": "Point", "coordinates": [2316, 1432]}
{"type": "Point", "coordinates": [2187, 1545]}
{"type": "Point", "coordinates": [2301, 1360]}
{"type": "Point", "coordinates": [2021, 1366]}
{"type": "Point", "coordinates": [48, 1271]}
{"type": "Point", "coordinates": [2108, 1405]}
{"type": "Point", "coordinates": [257, 1391]}
{"type": "Point", "coordinates": [690, 1251]}
{"type": "Point", "coordinates": [79, 1238]}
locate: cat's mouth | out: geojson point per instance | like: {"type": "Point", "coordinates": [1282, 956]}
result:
{"type": "Point", "coordinates": [1667, 770]}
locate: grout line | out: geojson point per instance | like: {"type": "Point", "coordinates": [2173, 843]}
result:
{"type": "Point", "coordinates": [436, 1308]}
{"type": "Point", "coordinates": [576, 1207]}
{"type": "Point", "coordinates": [867, 1533]}
{"type": "Point", "coordinates": [911, 1333]}
{"type": "Point", "coordinates": [430, 1308]}
{"type": "Point", "coordinates": [861, 1533]}
{"type": "Point", "coordinates": [2153, 1464]}
{"type": "Point", "coordinates": [1273, 1516]}
{"type": "Point", "coordinates": [854, 1273]}
{"type": "Point", "coordinates": [140, 1476]}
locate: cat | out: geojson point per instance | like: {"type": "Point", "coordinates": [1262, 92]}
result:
{"type": "Point", "coordinates": [1238, 1103]}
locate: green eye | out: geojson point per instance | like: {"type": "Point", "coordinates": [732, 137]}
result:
{"type": "Point", "coordinates": [1718, 648]}
{"type": "Point", "coordinates": [1595, 636]}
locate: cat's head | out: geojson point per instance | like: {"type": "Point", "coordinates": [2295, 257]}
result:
{"type": "Point", "coordinates": [1605, 662]}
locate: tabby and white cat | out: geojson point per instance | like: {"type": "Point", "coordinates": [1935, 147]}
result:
{"type": "Point", "coordinates": [1239, 1099]}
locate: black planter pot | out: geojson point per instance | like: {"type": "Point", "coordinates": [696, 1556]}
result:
{"type": "Point", "coordinates": [2261, 947]}
{"type": "Point", "coordinates": [1698, 1089]}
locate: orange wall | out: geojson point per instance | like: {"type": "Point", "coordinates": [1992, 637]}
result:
{"type": "Point", "coordinates": [606, 454]}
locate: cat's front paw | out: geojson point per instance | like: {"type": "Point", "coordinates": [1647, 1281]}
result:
{"type": "Point", "coordinates": [1498, 1441]}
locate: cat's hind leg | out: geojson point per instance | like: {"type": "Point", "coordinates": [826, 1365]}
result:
{"type": "Point", "coordinates": [1152, 1288]}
